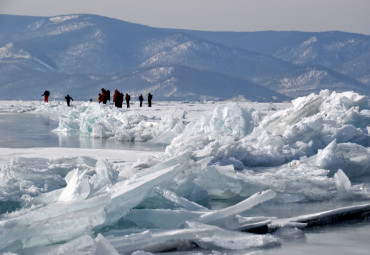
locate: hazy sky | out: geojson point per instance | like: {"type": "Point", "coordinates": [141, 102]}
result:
{"type": "Point", "coordinates": [219, 15]}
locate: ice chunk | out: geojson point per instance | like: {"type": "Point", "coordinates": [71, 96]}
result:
{"type": "Point", "coordinates": [158, 241]}
{"type": "Point", "coordinates": [313, 123]}
{"type": "Point", "coordinates": [64, 221]}
{"type": "Point", "coordinates": [34, 176]}
{"type": "Point", "coordinates": [129, 193]}
{"type": "Point", "coordinates": [305, 180]}
{"type": "Point", "coordinates": [159, 218]}
{"type": "Point", "coordinates": [223, 182]}
{"type": "Point", "coordinates": [78, 187]}
{"type": "Point", "coordinates": [353, 159]}
{"type": "Point", "coordinates": [241, 223]}
{"type": "Point", "coordinates": [327, 159]}
{"type": "Point", "coordinates": [103, 246]}
{"type": "Point", "coordinates": [54, 223]}
{"type": "Point", "coordinates": [343, 185]}
{"type": "Point", "coordinates": [225, 218]}
{"type": "Point", "coordinates": [80, 184]}
{"type": "Point", "coordinates": [180, 201]}
{"type": "Point", "coordinates": [101, 121]}
{"type": "Point", "coordinates": [205, 236]}
{"type": "Point", "coordinates": [218, 217]}
{"type": "Point", "coordinates": [232, 240]}
{"type": "Point", "coordinates": [104, 177]}
{"type": "Point", "coordinates": [81, 245]}
{"type": "Point", "coordinates": [227, 123]}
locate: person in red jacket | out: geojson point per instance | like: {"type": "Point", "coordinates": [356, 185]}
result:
{"type": "Point", "coordinates": [46, 96]}
{"type": "Point", "coordinates": [116, 99]}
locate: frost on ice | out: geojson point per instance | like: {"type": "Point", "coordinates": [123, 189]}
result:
{"type": "Point", "coordinates": [307, 152]}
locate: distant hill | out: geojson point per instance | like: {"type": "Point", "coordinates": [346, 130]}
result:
{"type": "Point", "coordinates": [79, 54]}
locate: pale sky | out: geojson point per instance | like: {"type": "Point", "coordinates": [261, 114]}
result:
{"type": "Point", "coordinates": [214, 15]}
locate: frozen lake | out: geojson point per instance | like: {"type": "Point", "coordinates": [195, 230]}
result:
{"type": "Point", "coordinates": [336, 239]}
{"type": "Point", "coordinates": [29, 130]}
{"type": "Point", "coordinates": [24, 130]}
{"type": "Point", "coordinates": [179, 174]}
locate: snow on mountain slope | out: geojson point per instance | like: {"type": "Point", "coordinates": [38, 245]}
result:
{"type": "Point", "coordinates": [313, 78]}
{"type": "Point", "coordinates": [357, 68]}
{"type": "Point", "coordinates": [183, 50]}
{"type": "Point", "coordinates": [328, 49]}
{"type": "Point", "coordinates": [81, 43]}
{"type": "Point", "coordinates": [185, 83]}
{"type": "Point", "coordinates": [8, 52]}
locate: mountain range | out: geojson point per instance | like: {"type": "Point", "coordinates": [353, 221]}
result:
{"type": "Point", "coordinates": [80, 54]}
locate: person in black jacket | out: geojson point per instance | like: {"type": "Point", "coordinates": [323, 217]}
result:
{"type": "Point", "coordinates": [68, 99]}
{"type": "Point", "coordinates": [107, 95]}
{"type": "Point", "coordinates": [104, 95]}
{"type": "Point", "coordinates": [150, 96]}
{"type": "Point", "coordinates": [141, 99]}
{"type": "Point", "coordinates": [128, 100]}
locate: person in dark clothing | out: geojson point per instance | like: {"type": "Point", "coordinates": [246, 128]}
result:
{"type": "Point", "coordinates": [104, 95]}
{"type": "Point", "coordinates": [141, 99]}
{"type": "Point", "coordinates": [100, 98]}
{"type": "Point", "coordinates": [120, 100]}
{"type": "Point", "coordinates": [68, 99]}
{"type": "Point", "coordinates": [127, 100]}
{"type": "Point", "coordinates": [108, 95]}
{"type": "Point", "coordinates": [117, 99]}
{"type": "Point", "coordinates": [46, 96]}
{"type": "Point", "coordinates": [150, 96]}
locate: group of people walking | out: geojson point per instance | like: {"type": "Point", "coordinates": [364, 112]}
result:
{"type": "Point", "coordinates": [104, 97]}
{"type": "Point", "coordinates": [118, 98]}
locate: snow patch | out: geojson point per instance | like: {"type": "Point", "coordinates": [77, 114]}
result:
{"type": "Point", "coordinates": [61, 19]}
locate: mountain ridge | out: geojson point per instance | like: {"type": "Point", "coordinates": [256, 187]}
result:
{"type": "Point", "coordinates": [74, 52]}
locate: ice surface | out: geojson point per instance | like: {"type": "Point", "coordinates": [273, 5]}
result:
{"type": "Point", "coordinates": [57, 201]}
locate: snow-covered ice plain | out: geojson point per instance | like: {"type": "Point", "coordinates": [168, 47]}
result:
{"type": "Point", "coordinates": [234, 177]}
